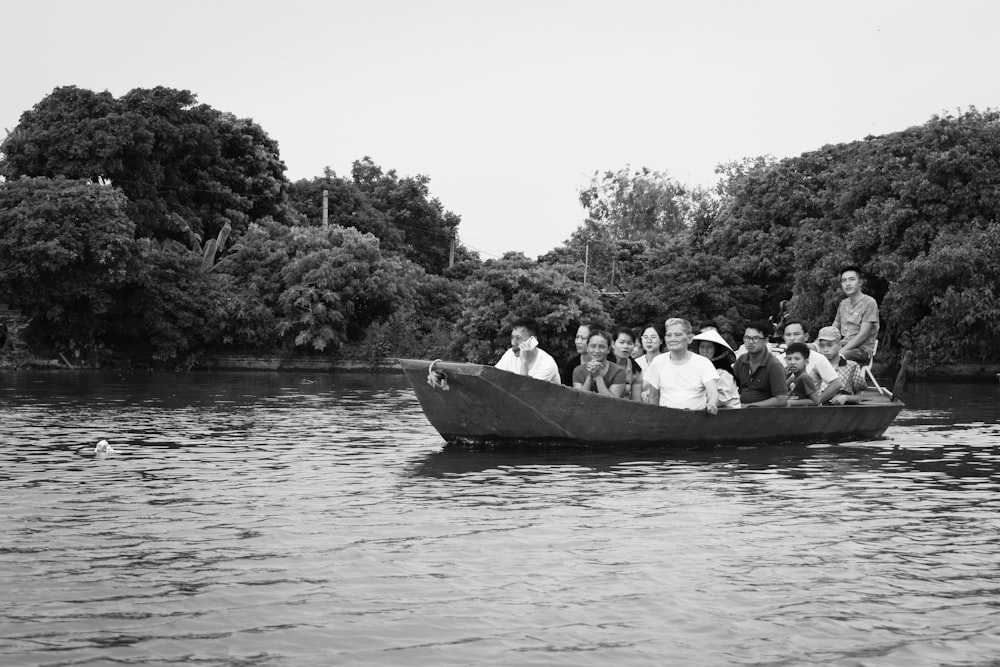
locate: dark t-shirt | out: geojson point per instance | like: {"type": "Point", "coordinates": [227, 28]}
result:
{"type": "Point", "coordinates": [801, 386]}
{"type": "Point", "coordinates": [767, 381]}
{"type": "Point", "coordinates": [614, 375]}
{"type": "Point", "coordinates": [566, 370]}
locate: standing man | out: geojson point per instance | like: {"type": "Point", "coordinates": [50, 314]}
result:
{"type": "Point", "coordinates": [857, 318]}
{"type": "Point", "coordinates": [524, 357]}
{"type": "Point", "coordinates": [760, 377]}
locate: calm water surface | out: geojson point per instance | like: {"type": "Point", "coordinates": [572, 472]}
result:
{"type": "Point", "coordinates": [282, 519]}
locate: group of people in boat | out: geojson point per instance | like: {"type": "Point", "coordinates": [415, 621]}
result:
{"type": "Point", "coordinates": [675, 367]}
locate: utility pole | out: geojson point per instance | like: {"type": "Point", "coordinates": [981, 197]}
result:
{"type": "Point", "coordinates": [326, 207]}
{"type": "Point", "coordinates": [451, 252]}
{"type": "Point", "coordinates": [586, 263]}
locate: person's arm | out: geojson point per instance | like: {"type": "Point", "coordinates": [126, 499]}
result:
{"type": "Point", "coordinates": [845, 399]}
{"type": "Point", "coordinates": [809, 389]}
{"type": "Point", "coordinates": [616, 390]}
{"type": "Point", "coordinates": [779, 401]}
{"type": "Point", "coordinates": [636, 387]}
{"type": "Point", "coordinates": [712, 396]}
{"type": "Point", "coordinates": [650, 394]}
{"type": "Point", "coordinates": [832, 389]}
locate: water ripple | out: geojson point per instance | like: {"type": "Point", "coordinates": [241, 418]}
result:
{"type": "Point", "coordinates": [258, 519]}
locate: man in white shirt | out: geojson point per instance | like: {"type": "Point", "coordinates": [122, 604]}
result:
{"type": "Point", "coordinates": [525, 357]}
{"type": "Point", "coordinates": [819, 368]}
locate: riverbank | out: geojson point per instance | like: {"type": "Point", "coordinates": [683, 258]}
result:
{"type": "Point", "coordinates": [958, 372]}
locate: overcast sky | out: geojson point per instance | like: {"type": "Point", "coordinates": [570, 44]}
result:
{"type": "Point", "coordinates": [510, 107]}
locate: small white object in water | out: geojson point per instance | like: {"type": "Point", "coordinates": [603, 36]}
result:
{"type": "Point", "coordinates": [103, 449]}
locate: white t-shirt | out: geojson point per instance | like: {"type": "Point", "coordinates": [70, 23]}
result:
{"type": "Point", "coordinates": [681, 386]}
{"type": "Point", "coordinates": [543, 368]}
{"type": "Point", "coordinates": [820, 369]}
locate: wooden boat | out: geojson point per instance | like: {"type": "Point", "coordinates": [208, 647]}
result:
{"type": "Point", "coordinates": [476, 404]}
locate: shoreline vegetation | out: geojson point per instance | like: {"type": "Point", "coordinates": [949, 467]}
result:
{"type": "Point", "coordinates": [154, 231]}
{"type": "Point", "coordinates": [956, 372]}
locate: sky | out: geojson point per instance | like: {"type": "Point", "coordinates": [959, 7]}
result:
{"type": "Point", "coordinates": [511, 108]}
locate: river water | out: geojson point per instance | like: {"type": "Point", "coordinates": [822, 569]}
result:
{"type": "Point", "coordinates": [283, 519]}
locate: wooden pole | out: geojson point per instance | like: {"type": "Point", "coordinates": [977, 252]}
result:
{"type": "Point", "coordinates": [586, 263]}
{"type": "Point", "coordinates": [326, 207]}
{"type": "Point", "coordinates": [451, 253]}
{"type": "Point", "coordinates": [904, 367]}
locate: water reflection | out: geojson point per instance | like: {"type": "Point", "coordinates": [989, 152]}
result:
{"type": "Point", "coordinates": [258, 518]}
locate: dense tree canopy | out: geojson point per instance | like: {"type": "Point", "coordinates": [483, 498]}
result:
{"type": "Point", "coordinates": [156, 228]}
{"type": "Point", "coordinates": [66, 248]}
{"type": "Point", "coordinates": [185, 168]}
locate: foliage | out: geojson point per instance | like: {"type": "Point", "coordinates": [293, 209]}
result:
{"type": "Point", "coordinates": [696, 286]}
{"type": "Point", "coordinates": [426, 227]}
{"type": "Point", "coordinates": [185, 168]}
{"type": "Point", "coordinates": [504, 290]}
{"type": "Point", "coordinates": [167, 311]}
{"type": "Point", "coordinates": [347, 206]}
{"type": "Point", "coordinates": [66, 248]}
{"type": "Point", "coordinates": [627, 211]}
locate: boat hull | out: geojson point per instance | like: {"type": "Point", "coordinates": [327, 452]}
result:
{"type": "Point", "coordinates": [484, 405]}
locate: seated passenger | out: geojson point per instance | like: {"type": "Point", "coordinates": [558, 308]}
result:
{"type": "Point", "coordinates": [857, 318]}
{"type": "Point", "coordinates": [714, 347]}
{"type": "Point", "coordinates": [581, 357]}
{"type": "Point", "coordinates": [599, 374]}
{"type": "Point", "coordinates": [758, 374]}
{"type": "Point", "coordinates": [652, 345]}
{"type": "Point", "coordinates": [681, 379]}
{"type": "Point", "coordinates": [624, 343]}
{"type": "Point", "coordinates": [819, 369]}
{"type": "Point", "coordinates": [852, 379]}
{"type": "Point", "coordinates": [524, 357]}
{"type": "Point", "coordinates": [801, 388]}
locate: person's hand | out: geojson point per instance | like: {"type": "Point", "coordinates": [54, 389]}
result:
{"type": "Point", "coordinates": [645, 396]}
{"type": "Point", "coordinates": [594, 367]}
{"type": "Point", "coordinates": [712, 408]}
{"type": "Point", "coordinates": [839, 399]}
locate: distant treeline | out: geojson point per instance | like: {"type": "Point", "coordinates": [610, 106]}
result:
{"type": "Point", "coordinates": [153, 229]}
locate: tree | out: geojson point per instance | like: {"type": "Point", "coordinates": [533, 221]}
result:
{"type": "Point", "coordinates": [427, 228]}
{"type": "Point", "coordinates": [185, 168]}
{"type": "Point", "coordinates": [627, 212]}
{"type": "Point", "coordinates": [347, 206]}
{"type": "Point", "coordinates": [66, 248]}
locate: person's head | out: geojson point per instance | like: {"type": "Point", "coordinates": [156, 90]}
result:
{"type": "Point", "coordinates": [582, 334]}
{"type": "Point", "coordinates": [651, 338]}
{"type": "Point", "coordinates": [624, 342]}
{"type": "Point", "coordinates": [794, 332]}
{"type": "Point", "coordinates": [797, 357]}
{"type": "Point", "coordinates": [705, 325]}
{"type": "Point", "coordinates": [851, 280]}
{"type": "Point", "coordinates": [522, 330]}
{"type": "Point", "coordinates": [677, 333]}
{"type": "Point", "coordinates": [598, 345]}
{"type": "Point", "coordinates": [828, 342]}
{"type": "Point", "coordinates": [755, 336]}
{"type": "Point", "coordinates": [711, 345]}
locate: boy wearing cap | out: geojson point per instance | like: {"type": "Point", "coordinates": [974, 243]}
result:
{"type": "Point", "coordinates": [851, 377]}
